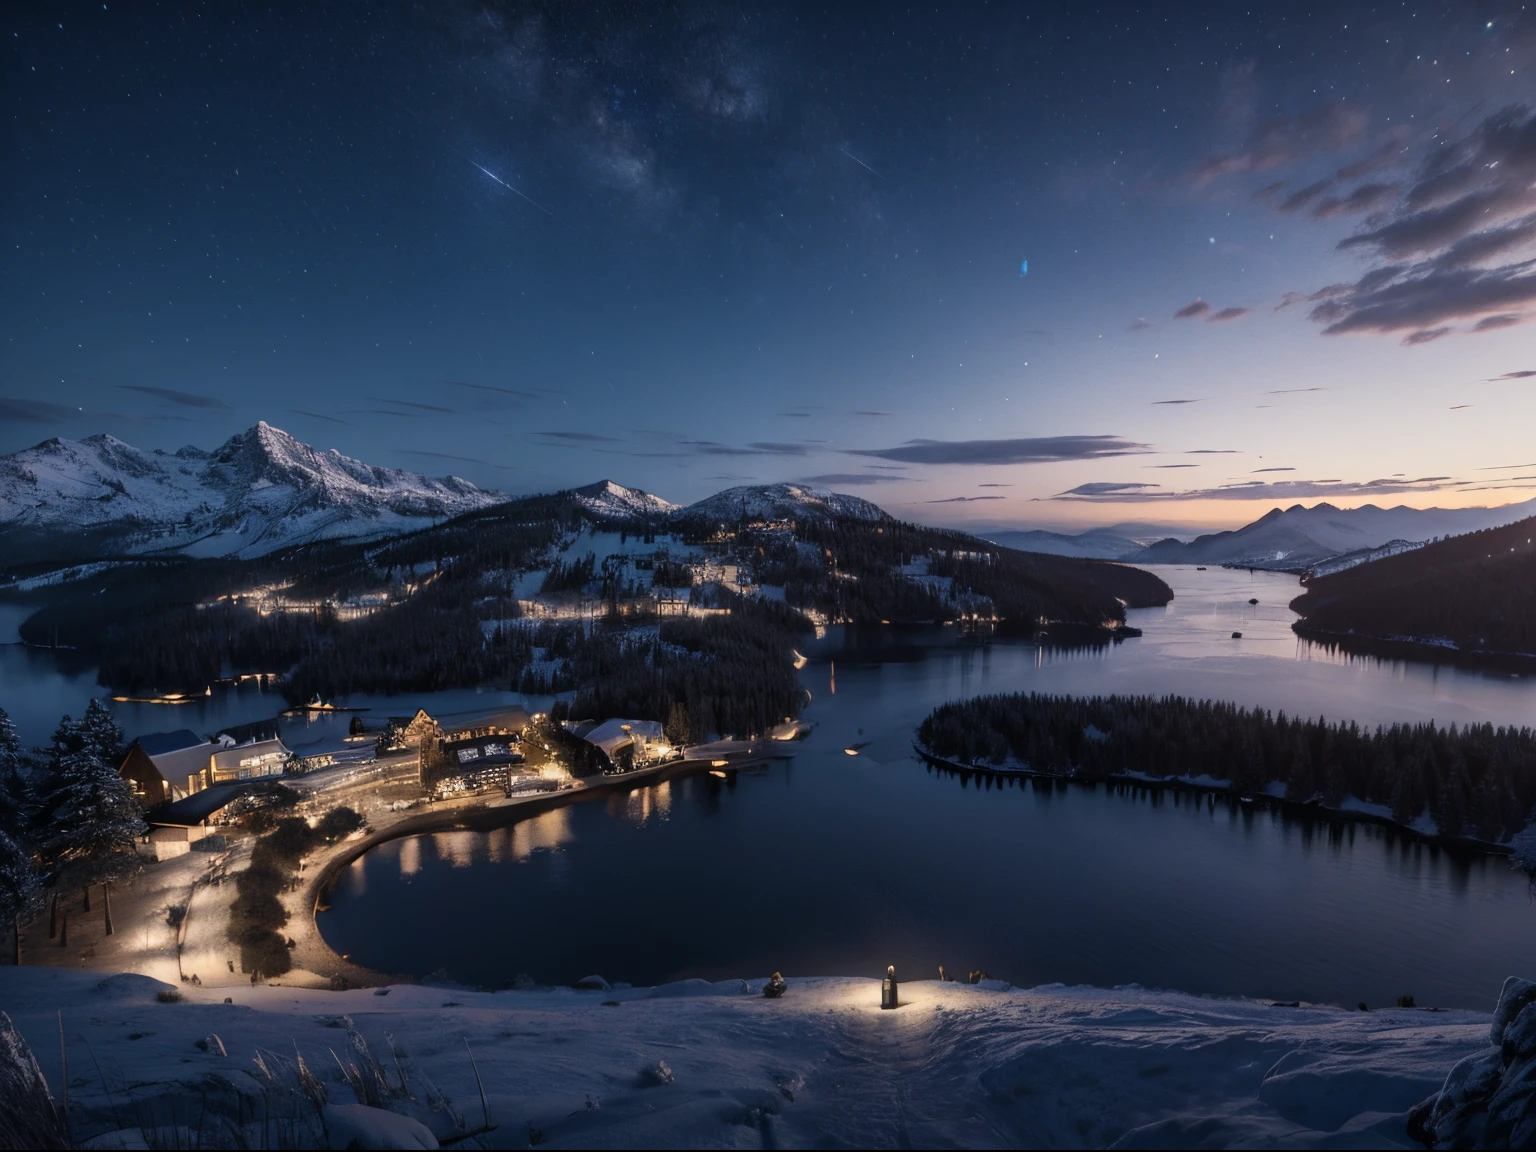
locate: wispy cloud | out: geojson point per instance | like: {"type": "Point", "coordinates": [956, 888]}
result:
{"type": "Point", "coordinates": [1191, 310]}
{"type": "Point", "coordinates": [1104, 488]}
{"type": "Point", "coordinates": [175, 396]}
{"type": "Point", "coordinates": [1196, 400]}
{"type": "Point", "coordinates": [1258, 470]}
{"type": "Point", "coordinates": [18, 411]}
{"type": "Point", "coordinates": [757, 448]}
{"type": "Point", "coordinates": [1282, 141]}
{"type": "Point", "coordinates": [1292, 391]}
{"type": "Point", "coordinates": [579, 437]}
{"type": "Point", "coordinates": [1226, 314]}
{"type": "Point", "coordinates": [1456, 245]}
{"type": "Point", "coordinates": [1035, 450]}
{"type": "Point", "coordinates": [447, 456]}
{"type": "Point", "coordinates": [1524, 375]}
{"type": "Point", "coordinates": [963, 499]}
{"type": "Point", "coordinates": [1276, 490]}
{"type": "Point", "coordinates": [853, 478]}
{"type": "Point", "coordinates": [319, 416]}
{"type": "Point", "coordinates": [417, 406]}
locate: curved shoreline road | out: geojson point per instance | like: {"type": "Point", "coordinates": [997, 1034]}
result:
{"type": "Point", "coordinates": [312, 954]}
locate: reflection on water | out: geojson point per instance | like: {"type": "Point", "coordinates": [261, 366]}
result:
{"type": "Point", "coordinates": [838, 864]}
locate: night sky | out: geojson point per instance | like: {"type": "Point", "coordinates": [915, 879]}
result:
{"type": "Point", "coordinates": [1274, 254]}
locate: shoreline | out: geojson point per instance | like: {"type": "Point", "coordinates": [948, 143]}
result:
{"type": "Point", "coordinates": [1418, 651]}
{"type": "Point", "coordinates": [1256, 800]}
{"type": "Point", "coordinates": [312, 952]}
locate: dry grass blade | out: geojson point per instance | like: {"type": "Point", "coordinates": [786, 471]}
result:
{"type": "Point", "coordinates": [29, 1118]}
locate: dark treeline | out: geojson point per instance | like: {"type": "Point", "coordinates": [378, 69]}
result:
{"type": "Point", "coordinates": [729, 674]}
{"type": "Point", "coordinates": [1477, 591]}
{"type": "Point", "coordinates": [856, 577]}
{"type": "Point", "coordinates": [1475, 781]}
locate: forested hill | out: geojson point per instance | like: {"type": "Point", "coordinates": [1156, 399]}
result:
{"type": "Point", "coordinates": [495, 596]}
{"type": "Point", "coordinates": [1476, 592]}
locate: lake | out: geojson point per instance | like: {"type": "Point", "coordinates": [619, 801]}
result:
{"type": "Point", "coordinates": [834, 864]}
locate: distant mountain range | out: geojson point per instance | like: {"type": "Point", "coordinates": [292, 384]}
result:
{"type": "Point", "coordinates": [1298, 538]}
{"type": "Point", "coordinates": [67, 501]}
{"type": "Point", "coordinates": [260, 491]}
{"type": "Point", "coordinates": [1321, 539]}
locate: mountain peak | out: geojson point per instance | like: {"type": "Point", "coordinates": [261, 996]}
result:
{"type": "Point", "coordinates": [261, 490]}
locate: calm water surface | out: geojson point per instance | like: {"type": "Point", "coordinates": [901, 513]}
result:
{"type": "Point", "coordinates": [831, 864]}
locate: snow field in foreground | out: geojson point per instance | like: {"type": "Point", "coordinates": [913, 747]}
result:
{"type": "Point", "coordinates": [955, 1065]}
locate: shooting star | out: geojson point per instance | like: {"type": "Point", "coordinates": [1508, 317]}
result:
{"type": "Point", "coordinates": [513, 190]}
{"type": "Point", "coordinates": [859, 162]}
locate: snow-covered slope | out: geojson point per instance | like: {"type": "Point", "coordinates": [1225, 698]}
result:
{"type": "Point", "coordinates": [1298, 537]}
{"type": "Point", "coordinates": [616, 502]}
{"type": "Point", "coordinates": [696, 1065]}
{"type": "Point", "coordinates": [781, 502]}
{"type": "Point", "coordinates": [259, 491]}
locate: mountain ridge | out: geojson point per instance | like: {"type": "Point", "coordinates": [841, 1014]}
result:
{"type": "Point", "coordinates": [259, 491]}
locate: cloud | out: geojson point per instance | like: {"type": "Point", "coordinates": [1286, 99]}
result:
{"type": "Point", "coordinates": [1523, 375]}
{"type": "Point", "coordinates": [1213, 452]}
{"type": "Point", "coordinates": [1285, 140]}
{"type": "Point", "coordinates": [1010, 485]}
{"type": "Point", "coordinates": [1189, 311]}
{"type": "Point", "coordinates": [1139, 323]}
{"type": "Point", "coordinates": [852, 478]}
{"type": "Point", "coordinates": [1104, 488]}
{"type": "Point", "coordinates": [1274, 469]}
{"type": "Point", "coordinates": [1171, 465]}
{"type": "Point", "coordinates": [1455, 245]}
{"type": "Point", "coordinates": [1493, 323]}
{"type": "Point", "coordinates": [415, 405]}
{"type": "Point", "coordinates": [448, 456]}
{"type": "Point", "coordinates": [1426, 335]}
{"type": "Point", "coordinates": [1293, 391]}
{"type": "Point", "coordinates": [797, 415]}
{"type": "Point", "coordinates": [1197, 400]}
{"type": "Point", "coordinates": [579, 437]}
{"type": "Point", "coordinates": [1036, 450]}
{"type": "Point", "coordinates": [1278, 490]}
{"type": "Point", "coordinates": [319, 416]}
{"type": "Point", "coordinates": [874, 413]}
{"type": "Point", "coordinates": [190, 399]}
{"type": "Point", "coordinates": [1365, 198]}
{"type": "Point", "coordinates": [1226, 314]}
{"type": "Point", "coordinates": [757, 448]}
{"type": "Point", "coordinates": [963, 499]}
{"type": "Point", "coordinates": [18, 411]}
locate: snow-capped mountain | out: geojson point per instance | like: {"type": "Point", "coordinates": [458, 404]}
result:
{"type": "Point", "coordinates": [616, 502]}
{"type": "Point", "coordinates": [782, 502]}
{"type": "Point", "coordinates": [1299, 537]}
{"type": "Point", "coordinates": [260, 491]}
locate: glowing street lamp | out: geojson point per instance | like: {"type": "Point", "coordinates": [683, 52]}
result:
{"type": "Point", "coordinates": [888, 988]}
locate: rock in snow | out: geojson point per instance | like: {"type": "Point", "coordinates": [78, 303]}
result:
{"type": "Point", "coordinates": [782, 502]}
{"type": "Point", "coordinates": [955, 1065]}
{"type": "Point", "coordinates": [1489, 1099]}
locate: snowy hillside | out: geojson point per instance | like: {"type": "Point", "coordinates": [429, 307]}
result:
{"type": "Point", "coordinates": [259, 491]}
{"type": "Point", "coordinates": [716, 1065]}
{"type": "Point", "coordinates": [782, 502]}
{"type": "Point", "coordinates": [615, 502]}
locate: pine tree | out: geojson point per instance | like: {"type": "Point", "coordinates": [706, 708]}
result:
{"type": "Point", "coordinates": [21, 889]}
{"type": "Point", "coordinates": [95, 824]}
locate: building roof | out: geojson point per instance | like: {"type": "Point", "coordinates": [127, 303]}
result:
{"type": "Point", "coordinates": [256, 730]}
{"type": "Point", "coordinates": [159, 743]}
{"type": "Point", "coordinates": [228, 759]}
{"type": "Point", "coordinates": [512, 717]}
{"type": "Point", "coordinates": [197, 807]}
{"type": "Point", "coordinates": [611, 735]}
{"type": "Point", "coordinates": [176, 766]}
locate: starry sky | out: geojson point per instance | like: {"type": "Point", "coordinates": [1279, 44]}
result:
{"type": "Point", "coordinates": [1274, 254]}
